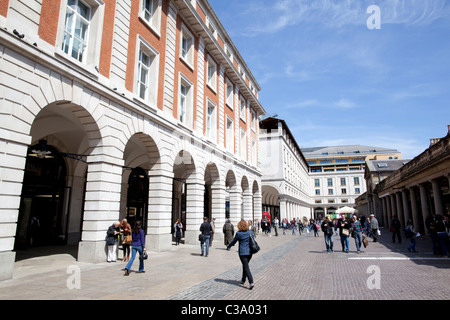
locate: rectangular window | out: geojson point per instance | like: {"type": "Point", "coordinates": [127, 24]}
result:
{"type": "Point", "coordinates": [211, 123]}
{"type": "Point", "coordinates": [317, 182]}
{"type": "Point", "coordinates": [343, 191]}
{"type": "Point", "coordinates": [253, 120]}
{"type": "Point", "coordinates": [330, 192]}
{"type": "Point", "coordinates": [229, 94]}
{"type": "Point", "coordinates": [187, 46]}
{"type": "Point", "coordinates": [242, 110]}
{"type": "Point", "coordinates": [230, 135]}
{"type": "Point", "coordinates": [143, 74]}
{"type": "Point", "coordinates": [151, 14]}
{"type": "Point", "coordinates": [357, 191]}
{"type": "Point", "coordinates": [185, 103]}
{"type": "Point", "coordinates": [317, 192]}
{"type": "Point", "coordinates": [76, 30]}
{"type": "Point", "coordinates": [343, 183]}
{"type": "Point", "coordinates": [147, 70]}
{"type": "Point", "coordinates": [330, 182]}
{"type": "Point", "coordinates": [356, 181]}
{"type": "Point", "coordinates": [212, 74]}
{"type": "Point", "coordinates": [243, 145]}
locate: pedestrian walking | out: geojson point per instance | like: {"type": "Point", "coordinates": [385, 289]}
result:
{"type": "Point", "coordinates": [228, 231]}
{"type": "Point", "coordinates": [344, 232]}
{"type": "Point", "coordinates": [395, 229]}
{"type": "Point", "coordinates": [374, 227]}
{"type": "Point", "coordinates": [112, 241]}
{"type": "Point", "coordinates": [411, 235]}
{"type": "Point", "coordinates": [357, 233]}
{"type": "Point", "coordinates": [327, 228]}
{"type": "Point", "coordinates": [205, 230]}
{"type": "Point", "coordinates": [213, 226]}
{"type": "Point", "coordinates": [178, 230]}
{"type": "Point", "coordinates": [315, 228]}
{"type": "Point", "coordinates": [276, 224]}
{"type": "Point", "coordinates": [293, 226]}
{"type": "Point", "coordinates": [137, 245]}
{"type": "Point", "coordinates": [244, 237]}
{"type": "Point", "coordinates": [126, 239]}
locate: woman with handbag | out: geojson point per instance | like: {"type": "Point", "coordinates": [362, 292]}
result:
{"type": "Point", "coordinates": [126, 239]}
{"type": "Point", "coordinates": [357, 233]}
{"type": "Point", "coordinates": [344, 232]}
{"type": "Point", "coordinates": [137, 245]}
{"type": "Point", "coordinates": [244, 236]}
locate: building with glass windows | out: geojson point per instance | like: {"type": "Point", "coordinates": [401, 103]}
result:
{"type": "Point", "coordinates": [337, 174]}
{"type": "Point", "coordinates": [121, 109]}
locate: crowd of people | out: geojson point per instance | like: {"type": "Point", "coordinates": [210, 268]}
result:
{"type": "Point", "coordinates": [360, 229]}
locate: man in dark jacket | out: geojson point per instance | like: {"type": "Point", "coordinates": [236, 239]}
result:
{"type": "Point", "coordinates": [327, 228]}
{"type": "Point", "coordinates": [206, 230]}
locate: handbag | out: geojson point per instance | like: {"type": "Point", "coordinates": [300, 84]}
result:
{"type": "Point", "coordinates": [127, 239]}
{"type": "Point", "coordinates": [345, 232]}
{"type": "Point", "coordinates": [144, 256]}
{"type": "Point", "coordinates": [254, 247]}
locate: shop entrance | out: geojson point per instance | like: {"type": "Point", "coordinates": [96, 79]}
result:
{"type": "Point", "coordinates": [42, 221]}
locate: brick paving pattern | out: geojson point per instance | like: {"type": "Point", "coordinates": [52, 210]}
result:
{"type": "Point", "coordinates": [287, 268]}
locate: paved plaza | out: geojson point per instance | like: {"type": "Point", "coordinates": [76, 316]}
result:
{"type": "Point", "coordinates": [288, 267]}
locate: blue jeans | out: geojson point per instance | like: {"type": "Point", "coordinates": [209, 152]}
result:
{"type": "Point", "coordinates": [205, 242]}
{"type": "Point", "coordinates": [329, 242]}
{"type": "Point", "coordinates": [135, 249]}
{"type": "Point", "coordinates": [246, 269]}
{"type": "Point", "coordinates": [344, 242]}
{"type": "Point", "coordinates": [412, 246]}
{"type": "Point", "coordinates": [358, 240]}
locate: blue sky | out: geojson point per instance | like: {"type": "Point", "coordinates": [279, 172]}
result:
{"type": "Point", "coordinates": [337, 82]}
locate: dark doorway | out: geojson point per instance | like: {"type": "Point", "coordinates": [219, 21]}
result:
{"type": "Point", "coordinates": [41, 214]}
{"type": "Point", "coordinates": [137, 198]}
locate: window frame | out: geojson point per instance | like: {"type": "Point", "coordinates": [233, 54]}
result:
{"type": "Point", "coordinates": [211, 80]}
{"type": "Point", "coordinates": [151, 96]}
{"type": "Point", "coordinates": [189, 100]}
{"type": "Point", "coordinates": [154, 21]}
{"type": "Point", "coordinates": [188, 58]}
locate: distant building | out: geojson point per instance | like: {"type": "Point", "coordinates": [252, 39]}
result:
{"type": "Point", "coordinates": [375, 171]}
{"type": "Point", "coordinates": [285, 181]}
{"type": "Point", "coordinates": [337, 174]}
{"type": "Point", "coordinates": [418, 189]}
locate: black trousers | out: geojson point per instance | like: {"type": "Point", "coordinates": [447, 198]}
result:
{"type": "Point", "coordinates": [246, 269]}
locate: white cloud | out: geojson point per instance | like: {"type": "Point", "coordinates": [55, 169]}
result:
{"type": "Point", "coordinates": [345, 104]}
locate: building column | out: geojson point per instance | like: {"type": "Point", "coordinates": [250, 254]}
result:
{"type": "Point", "coordinates": [424, 204]}
{"type": "Point", "coordinates": [385, 211]}
{"type": "Point", "coordinates": [415, 212]}
{"type": "Point", "coordinates": [257, 206]}
{"type": "Point", "coordinates": [159, 219]}
{"type": "Point", "coordinates": [283, 213]}
{"type": "Point", "coordinates": [400, 214]}
{"type": "Point", "coordinates": [406, 208]}
{"type": "Point", "coordinates": [393, 208]}
{"type": "Point", "coordinates": [218, 210]}
{"type": "Point", "coordinates": [248, 205]}
{"type": "Point", "coordinates": [235, 205]}
{"type": "Point", "coordinates": [437, 196]}
{"type": "Point", "coordinates": [13, 155]}
{"type": "Point", "coordinates": [101, 208]}
{"type": "Point", "coordinates": [195, 193]}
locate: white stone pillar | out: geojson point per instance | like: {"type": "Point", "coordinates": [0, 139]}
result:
{"type": "Point", "coordinates": [195, 193]}
{"type": "Point", "coordinates": [159, 219]}
{"type": "Point", "coordinates": [218, 210]}
{"type": "Point", "coordinates": [437, 196]}
{"type": "Point", "coordinates": [424, 204]}
{"type": "Point", "coordinates": [101, 208]}
{"type": "Point", "coordinates": [235, 205]}
{"type": "Point", "coordinates": [248, 205]}
{"type": "Point", "coordinates": [12, 165]}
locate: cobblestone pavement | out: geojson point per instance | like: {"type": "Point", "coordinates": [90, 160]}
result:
{"type": "Point", "coordinates": [288, 267]}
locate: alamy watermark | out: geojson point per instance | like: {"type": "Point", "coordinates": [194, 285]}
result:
{"type": "Point", "coordinates": [374, 280]}
{"type": "Point", "coordinates": [74, 280]}
{"type": "Point", "coordinates": [374, 20]}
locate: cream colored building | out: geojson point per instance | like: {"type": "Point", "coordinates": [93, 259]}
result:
{"type": "Point", "coordinates": [111, 109]}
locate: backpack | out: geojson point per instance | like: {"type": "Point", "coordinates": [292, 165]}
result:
{"type": "Point", "coordinates": [409, 233]}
